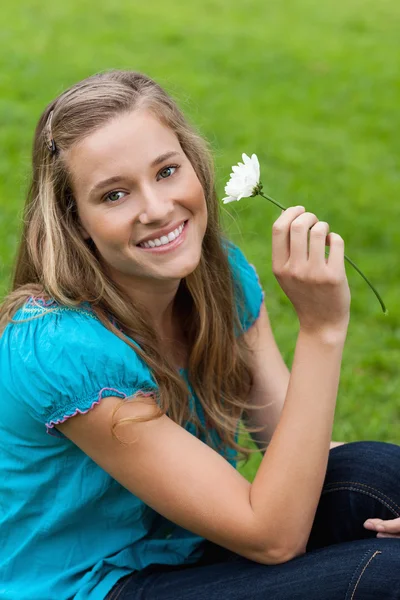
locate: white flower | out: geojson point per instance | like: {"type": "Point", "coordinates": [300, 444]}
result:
{"type": "Point", "coordinates": [245, 178]}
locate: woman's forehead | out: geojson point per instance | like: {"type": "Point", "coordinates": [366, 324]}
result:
{"type": "Point", "coordinates": [135, 131]}
{"type": "Point", "coordinates": [132, 141]}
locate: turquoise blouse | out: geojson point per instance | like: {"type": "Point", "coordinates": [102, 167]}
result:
{"type": "Point", "coordinates": [68, 529]}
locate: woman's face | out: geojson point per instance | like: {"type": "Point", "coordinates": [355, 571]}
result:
{"type": "Point", "coordinates": [133, 183]}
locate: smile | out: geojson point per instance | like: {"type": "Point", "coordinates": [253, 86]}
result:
{"type": "Point", "coordinates": [164, 239]}
{"type": "Point", "coordinates": [166, 242]}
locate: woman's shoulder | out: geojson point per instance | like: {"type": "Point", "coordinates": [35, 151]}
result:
{"type": "Point", "coordinates": [37, 307]}
{"type": "Point", "coordinates": [249, 293]}
{"type": "Point", "coordinates": [40, 318]}
{"type": "Point", "coordinates": [240, 265]}
{"type": "Point", "coordinates": [63, 360]}
{"type": "Point", "coordinates": [43, 327]}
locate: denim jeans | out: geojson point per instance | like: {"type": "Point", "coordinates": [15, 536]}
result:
{"type": "Point", "coordinates": [343, 560]}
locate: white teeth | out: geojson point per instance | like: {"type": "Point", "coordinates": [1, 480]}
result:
{"type": "Point", "coordinates": [164, 239]}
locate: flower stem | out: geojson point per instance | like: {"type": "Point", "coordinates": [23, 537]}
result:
{"type": "Point", "coordinates": [271, 200]}
{"type": "Point", "coordinates": [384, 309]}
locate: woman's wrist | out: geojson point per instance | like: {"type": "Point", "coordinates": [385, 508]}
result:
{"type": "Point", "coordinates": [326, 335]}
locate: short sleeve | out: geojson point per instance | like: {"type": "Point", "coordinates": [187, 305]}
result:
{"type": "Point", "coordinates": [64, 362]}
{"type": "Point", "coordinates": [249, 295]}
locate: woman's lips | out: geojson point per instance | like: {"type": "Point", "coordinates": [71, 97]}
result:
{"type": "Point", "coordinates": [171, 245]}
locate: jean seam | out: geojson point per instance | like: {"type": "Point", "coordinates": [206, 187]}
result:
{"type": "Point", "coordinates": [361, 574]}
{"type": "Point", "coordinates": [354, 489]}
{"type": "Point", "coordinates": [367, 487]}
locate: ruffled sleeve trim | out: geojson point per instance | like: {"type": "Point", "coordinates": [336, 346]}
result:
{"type": "Point", "coordinates": [96, 398]}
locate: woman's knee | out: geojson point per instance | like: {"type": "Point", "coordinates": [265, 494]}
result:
{"type": "Point", "coordinates": [369, 452]}
{"type": "Point", "coordinates": [371, 468]}
{"type": "Point", "coordinates": [361, 483]}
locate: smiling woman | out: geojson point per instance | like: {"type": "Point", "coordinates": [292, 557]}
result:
{"type": "Point", "coordinates": [134, 342]}
{"type": "Point", "coordinates": [148, 200]}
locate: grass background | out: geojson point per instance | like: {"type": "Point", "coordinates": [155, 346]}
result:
{"type": "Point", "coordinates": [312, 87]}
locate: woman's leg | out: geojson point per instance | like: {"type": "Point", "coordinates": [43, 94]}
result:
{"type": "Point", "coordinates": [362, 481]}
{"type": "Point", "coordinates": [343, 559]}
{"type": "Point", "coordinates": [359, 570]}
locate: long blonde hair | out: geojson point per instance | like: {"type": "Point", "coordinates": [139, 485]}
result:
{"type": "Point", "coordinates": [54, 261]}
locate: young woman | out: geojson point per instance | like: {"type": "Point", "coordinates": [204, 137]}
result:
{"type": "Point", "coordinates": [134, 341]}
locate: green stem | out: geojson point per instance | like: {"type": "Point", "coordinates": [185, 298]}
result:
{"type": "Point", "coordinates": [384, 309]}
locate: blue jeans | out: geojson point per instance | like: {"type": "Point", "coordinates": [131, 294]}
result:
{"type": "Point", "coordinates": [343, 560]}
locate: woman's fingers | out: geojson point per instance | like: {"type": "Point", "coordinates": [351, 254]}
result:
{"type": "Point", "coordinates": [336, 252]}
{"type": "Point", "coordinates": [318, 237]}
{"type": "Point", "coordinates": [317, 288]}
{"type": "Point", "coordinates": [390, 526]}
{"type": "Point", "coordinates": [299, 237]}
{"type": "Point", "coordinates": [281, 236]}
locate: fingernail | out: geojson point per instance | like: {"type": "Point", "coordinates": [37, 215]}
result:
{"type": "Point", "coordinates": [369, 524]}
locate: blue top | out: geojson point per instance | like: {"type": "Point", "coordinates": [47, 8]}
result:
{"type": "Point", "coordinates": [68, 529]}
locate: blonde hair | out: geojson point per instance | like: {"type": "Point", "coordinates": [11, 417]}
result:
{"type": "Point", "coordinates": [54, 261]}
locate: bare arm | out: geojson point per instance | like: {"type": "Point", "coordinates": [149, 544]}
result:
{"type": "Point", "coordinates": [320, 294]}
{"type": "Point", "coordinates": [194, 487]}
{"type": "Point", "coordinates": [290, 482]}
{"type": "Point", "coordinates": [270, 382]}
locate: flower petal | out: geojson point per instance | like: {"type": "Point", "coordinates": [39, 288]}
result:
{"type": "Point", "coordinates": [256, 166]}
{"type": "Point", "coordinates": [243, 180]}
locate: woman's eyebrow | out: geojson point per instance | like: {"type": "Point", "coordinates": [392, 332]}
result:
{"type": "Point", "coordinates": [163, 157]}
{"type": "Point", "coordinates": [104, 183]}
{"type": "Point", "coordinates": [117, 178]}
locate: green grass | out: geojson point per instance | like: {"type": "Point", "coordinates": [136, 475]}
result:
{"type": "Point", "coordinates": [311, 87]}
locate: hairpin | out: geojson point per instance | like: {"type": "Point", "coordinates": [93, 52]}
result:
{"type": "Point", "coordinates": [50, 143]}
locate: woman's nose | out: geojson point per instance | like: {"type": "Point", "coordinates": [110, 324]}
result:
{"type": "Point", "coordinates": [155, 206]}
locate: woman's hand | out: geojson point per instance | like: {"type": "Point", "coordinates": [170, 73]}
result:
{"type": "Point", "coordinates": [386, 529]}
{"type": "Point", "coordinates": [317, 286]}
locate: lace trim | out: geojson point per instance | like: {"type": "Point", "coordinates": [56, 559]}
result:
{"type": "Point", "coordinates": [51, 424]}
{"type": "Point", "coordinates": [36, 305]}
{"type": "Point", "coordinates": [40, 301]}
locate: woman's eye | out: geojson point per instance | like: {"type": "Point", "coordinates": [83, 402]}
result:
{"type": "Point", "coordinates": [114, 196]}
{"type": "Point", "coordinates": [168, 171]}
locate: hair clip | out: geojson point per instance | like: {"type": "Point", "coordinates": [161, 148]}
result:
{"type": "Point", "coordinates": [50, 143]}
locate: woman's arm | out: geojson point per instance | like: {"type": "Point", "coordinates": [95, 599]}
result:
{"type": "Point", "coordinates": [270, 381]}
{"type": "Point", "coordinates": [190, 484]}
{"type": "Point", "coordinates": [291, 484]}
